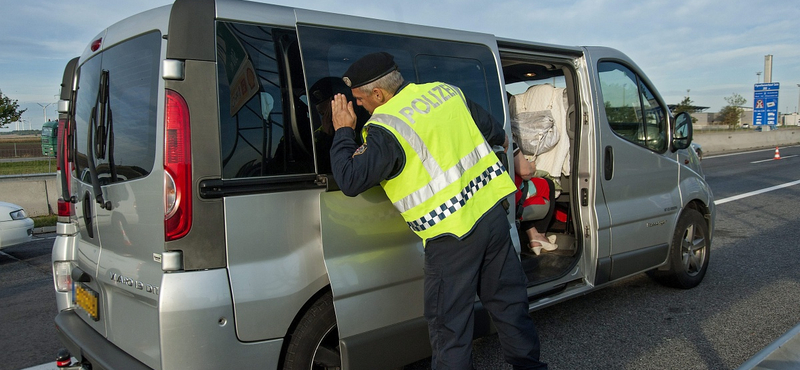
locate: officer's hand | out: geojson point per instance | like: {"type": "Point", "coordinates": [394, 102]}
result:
{"type": "Point", "coordinates": [343, 113]}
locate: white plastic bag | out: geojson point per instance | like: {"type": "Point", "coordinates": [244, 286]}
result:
{"type": "Point", "coordinates": [534, 132]}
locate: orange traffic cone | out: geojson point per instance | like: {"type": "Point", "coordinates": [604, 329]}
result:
{"type": "Point", "coordinates": [777, 154]}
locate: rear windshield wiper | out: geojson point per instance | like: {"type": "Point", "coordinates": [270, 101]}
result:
{"type": "Point", "coordinates": [109, 126]}
{"type": "Point", "coordinates": [97, 130]}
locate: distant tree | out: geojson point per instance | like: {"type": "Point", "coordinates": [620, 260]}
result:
{"type": "Point", "coordinates": [620, 114]}
{"type": "Point", "coordinates": [9, 110]}
{"type": "Point", "coordinates": [686, 105]}
{"type": "Point", "coordinates": [731, 113]}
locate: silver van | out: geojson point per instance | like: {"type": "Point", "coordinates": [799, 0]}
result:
{"type": "Point", "coordinates": [208, 232]}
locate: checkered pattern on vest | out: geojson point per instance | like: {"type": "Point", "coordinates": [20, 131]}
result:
{"type": "Point", "coordinates": [455, 203]}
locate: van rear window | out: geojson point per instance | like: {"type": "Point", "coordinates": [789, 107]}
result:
{"type": "Point", "coordinates": [116, 109]}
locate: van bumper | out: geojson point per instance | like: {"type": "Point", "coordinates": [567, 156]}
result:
{"type": "Point", "coordinates": [87, 345]}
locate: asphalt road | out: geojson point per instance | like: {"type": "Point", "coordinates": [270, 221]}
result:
{"type": "Point", "coordinates": [749, 298]}
{"type": "Point", "coordinates": [27, 305]}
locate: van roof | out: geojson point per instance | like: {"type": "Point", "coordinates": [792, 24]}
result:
{"type": "Point", "coordinates": [147, 21]}
{"type": "Point", "coordinates": [507, 43]}
{"type": "Point", "coordinates": [248, 11]}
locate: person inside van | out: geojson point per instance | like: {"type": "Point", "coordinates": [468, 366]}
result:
{"type": "Point", "coordinates": [436, 165]}
{"type": "Point", "coordinates": [535, 203]}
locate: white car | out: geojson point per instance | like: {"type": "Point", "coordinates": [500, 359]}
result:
{"type": "Point", "coordinates": [15, 225]}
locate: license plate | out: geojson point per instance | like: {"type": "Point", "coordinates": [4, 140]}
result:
{"type": "Point", "coordinates": [87, 299]}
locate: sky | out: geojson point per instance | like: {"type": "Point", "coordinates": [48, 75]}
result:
{"type": "Point", "coordinates": [704, 49]}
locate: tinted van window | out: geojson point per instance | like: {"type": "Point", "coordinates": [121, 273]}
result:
{"type": "Point", "coordinates": [631, 108]}
{"type": "Point", "coordinates": [117, 98]}
{"type": "Point", "coordinates": [263, 107]}
{"type": "Point", "coordinates": [327, 53]}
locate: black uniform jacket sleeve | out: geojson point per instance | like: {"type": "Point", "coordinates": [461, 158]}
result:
{"type": "Point", "coordinates": [358, 168]}
{"type": "Point", "coordinates": [491, 128]}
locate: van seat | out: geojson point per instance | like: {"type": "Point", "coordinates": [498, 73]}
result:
{"type": "Point", "coordinates": [547, 97]}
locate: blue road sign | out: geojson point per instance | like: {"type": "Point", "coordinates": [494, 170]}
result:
{"type": "Point", "coordinates": [765, 103]}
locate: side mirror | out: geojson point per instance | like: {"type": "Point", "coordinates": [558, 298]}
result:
{"type": "Point", "coordinates": [682, 131]}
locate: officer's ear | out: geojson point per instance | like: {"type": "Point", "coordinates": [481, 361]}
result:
{"type": "Point", "coordinates": [378, 94]}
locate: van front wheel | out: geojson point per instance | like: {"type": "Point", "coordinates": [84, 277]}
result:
{"type": "Point", "coordinates": [689, 253]}
{"type": "Point", "coordinates": [314, 344]}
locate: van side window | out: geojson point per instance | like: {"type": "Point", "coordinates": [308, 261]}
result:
{"type": "Point", "coordinates": [117, 97]}
{"type": "Point", "coordinates": [264, 124]}
{"type": "Point", "coordinates": [327, 53]}
{"type": "Point", "coordinates": [631, 108]}
{"type": "Point", "coordinates": [467, 74]}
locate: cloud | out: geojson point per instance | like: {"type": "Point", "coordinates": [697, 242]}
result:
{"type": "Point", "coordinates": [711, 47]}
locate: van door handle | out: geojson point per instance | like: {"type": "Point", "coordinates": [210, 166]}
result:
{"type": "Point", "coordinates": [608, 165]}
{"type": "Point", "coordinates": [87, 214]}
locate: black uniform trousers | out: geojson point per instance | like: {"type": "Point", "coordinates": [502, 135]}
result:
{"type": "Point", "coordinates": [484, 263]}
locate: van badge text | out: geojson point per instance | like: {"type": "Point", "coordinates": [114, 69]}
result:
{"type": "Point", "coordinates": [124, 280]}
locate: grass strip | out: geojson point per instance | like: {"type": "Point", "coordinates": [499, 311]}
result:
{"type": "Point", "coordinates": [28, 167]}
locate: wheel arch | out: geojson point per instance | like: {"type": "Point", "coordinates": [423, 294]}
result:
{"type": "Point", "coordinates": [676, 271]}
{"type": "Point", "coordinates": [299, 316]}
{"type": "Point", "coordinates": [706, 211]}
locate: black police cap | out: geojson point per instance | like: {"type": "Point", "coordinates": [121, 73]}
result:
{"type": "Point", "coordinates": [369, 68]}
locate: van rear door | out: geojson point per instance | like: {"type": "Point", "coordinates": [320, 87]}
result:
{"type": "Point", "coordinates": [119, 183]}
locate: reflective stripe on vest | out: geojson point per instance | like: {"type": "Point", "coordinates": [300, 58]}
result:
{"type": "Point", "coordinates": [455, 203]}
{"type": "Point", "coordinates": [439, 179]}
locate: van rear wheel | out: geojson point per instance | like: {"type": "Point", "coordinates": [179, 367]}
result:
{"type": "Point", "coordinates": [314, 344]}
{"type": "Point", "coordinates": [689, 253]}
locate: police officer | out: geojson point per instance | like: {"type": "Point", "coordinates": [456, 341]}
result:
{"type": "Point", "coordinates": [435, 162]}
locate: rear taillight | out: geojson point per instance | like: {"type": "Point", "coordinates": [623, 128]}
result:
{"type": "Point", "coordinates": [62, 154]}
{"type": "Point", "coordinates": [62, 123]}
{"type": "Point", "coordinates": [177, 168]}
{"type": "Point", "coordinates": [62, 271]}
{"type": "Point", "coordinates": [66, 209]}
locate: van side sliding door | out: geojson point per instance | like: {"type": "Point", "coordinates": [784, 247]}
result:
{"type": "Point", "coordinates": [374, 260]}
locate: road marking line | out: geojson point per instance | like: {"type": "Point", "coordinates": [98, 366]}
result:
{"type": "Point", "coordinates": [773, 159]}
{"type": "Point", "coordinates": [746, 152]}
{"type": "Point", "coordinates": [757, 192]}
{"type": "Point", "coordinates": [9, 256]}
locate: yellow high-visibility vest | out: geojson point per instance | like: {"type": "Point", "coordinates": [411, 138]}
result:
{"type": "Point", "coordinates": [451, 176]}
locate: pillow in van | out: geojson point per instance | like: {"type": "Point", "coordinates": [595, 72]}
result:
{"type": "Point", "coordinates": [534, 132]}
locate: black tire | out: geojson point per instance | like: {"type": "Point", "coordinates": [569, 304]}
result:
{"type": "Point", "coordinates": [689, 253]}
{"type": "Point", "coordinates": [314, 344]}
